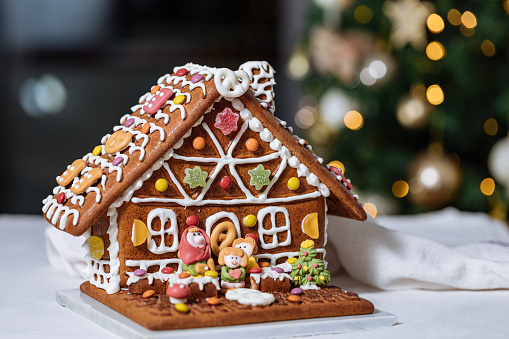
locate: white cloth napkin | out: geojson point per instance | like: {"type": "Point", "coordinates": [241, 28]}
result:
{"type": "Point", "coordinates": [447, 249]}
{"type": "Point", "coordinates": [64, 251]}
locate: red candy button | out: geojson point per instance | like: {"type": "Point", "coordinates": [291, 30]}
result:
{"type": "Point", "coordinates": [61, 198]}
{"type": "Point", "coordinates": [226, 183]}
{"type": "Point", "coordinates": [334, 170]}
{"type": "Point", "coordinates": [255, 270]}
{"type": "Point", "coordinates": [192, 220]}
{"type": "Point", "coordinates": [181, 72]}
{"type": "Point", "coordinates": [167, 270]}
{"type": "Point", "coordinates": [157, 101]}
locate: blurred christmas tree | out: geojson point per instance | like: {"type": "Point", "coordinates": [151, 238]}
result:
{"type": "Point", "coordinates": [412, 97]}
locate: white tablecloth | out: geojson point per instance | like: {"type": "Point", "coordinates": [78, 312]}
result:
{"type": "Point", "coordinates": [28, 308]}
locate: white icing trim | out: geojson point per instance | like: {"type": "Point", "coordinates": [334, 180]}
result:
{"type": "Point", "coordinates": [164, 215]}
{"type": "Point", "coordinates": [274, 257]}
{"type": "Point", "coordinates": [274, 230]}
{"type": "Point", "coordinates": [53, 209]}
{"type": "Point", "coordinates": [259, 88]}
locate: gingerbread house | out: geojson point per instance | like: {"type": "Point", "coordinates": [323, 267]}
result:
{"type": "Point", "coordinates": [201, 148]}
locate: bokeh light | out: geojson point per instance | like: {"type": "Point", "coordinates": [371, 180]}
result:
{"type": "Point", "coordinates": [370, 209]}
{"type": "Point", "coordinates": [467, 31]}
{"type": "Point", "coordinates": [354, 120]}
{"type": "Point", "coordinates": [363, 14]}
{"type": "Point", "coordinates": [454, 17]}
{"type": "Point", "coordinates": [298, 65]}
{"type": "Point", "coordinates": [491, 127]}
{"type": "Point", "coordinates": [435, 95]}
{"type": "Point", "coordinates": [306, 117]}
{"type": "Point", "coordinates": [488, 48]}
{"type": "Point", "coordinates": [400, 188]}
{"type": "Point", "coordinates": [435, 50]}
{"type": "Point", "coordinates": [468, 19]}
{"type": "Point", "coordinates": [488, 186]}
{"type": "Point", "coordinates": [435, 23]}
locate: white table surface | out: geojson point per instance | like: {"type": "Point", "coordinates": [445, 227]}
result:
{"type": "Point", "coordinates": [28, 308]}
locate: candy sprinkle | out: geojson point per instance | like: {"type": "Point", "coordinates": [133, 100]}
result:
{"type": "Point", "coordinates": [181, 72]}
{"type": "Point", "coordinates": [182, 307]}
{"type": "Point", "coordinates": [161, 185]}
{"type": "Point", "coordinates": [196, 78]}
{"type": "Point", "coordinates": [97, 151]}
{"type": "Point", "coordinates": [179, 99]}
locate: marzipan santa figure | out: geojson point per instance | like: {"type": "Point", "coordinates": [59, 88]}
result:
{"type": "Point", "coordinates": [194, 249]}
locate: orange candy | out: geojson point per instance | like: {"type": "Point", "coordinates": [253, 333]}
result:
{"type": "Point", "coordinates": [294, 298]}
{"type": "Point", "coordinates": [213, 301]}
{"type": "Point", "coordinates": [155, 89]}
{"type": "Point", "coordinates": [264, 264]}
{"type": "Point", "coordinates": [148, 293]}
{"type": "Point", "coordinates": [145, 128]}
{"type": "Point", "coordinates": [184, 275]}
{"type": "Point", "coordinates": [252, 145]}
{"type": "Point", "coordinates": [198, 143]}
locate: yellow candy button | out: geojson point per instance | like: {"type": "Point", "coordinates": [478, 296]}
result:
{"type": "Point", "coordinates": [96, 247]}
{"type": "Point", "coordinates": [338, 164]}
{"type": "Point", "coordinates": [291, 261]}
{"type": "Point", "coordinates": [250, 220]}
{"type": "Point", "coordinates": [97, 151]}
{"type": "Point", "coordinates": [293, 183]}
{"type": "Point", "coordinates": [161, 185]}
{"type": "Point", "coordinates": [181, 307]}
{"type": "Point", "coordinates": [212, 274]}
{"type": "Point", "coordinates": [179, 99]}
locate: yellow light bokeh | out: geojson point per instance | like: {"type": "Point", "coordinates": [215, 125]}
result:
{"type": "Point", "coordinates": [467, 31]}
{"type": "Point", "coordinates": [435, 50]}
{"type": "Point", "coordinates": [400, 188]}
{"type": "Point", "coordinates": [338, 164]}
{"type": "Point", "coordinates": [363, 14]}
{"type": "Point", "coordinates": [454, 17]}
{"type": "Point", "coordinates": [435, 23]}
{"type": "Point", "coordinates": [506, 6]}
{"type": "Point", "coordinates": [488, 48]}
{"type": "Point", "coordinates": [468, 19]}
{"type": "Point", "coordinates": [418, 90]}
{"type": "Point", "coordinates": [435, 95]}
{"type": "Point", "coordinates": [491, 127]}
{"type": "Point", "coordinates": [370, 209]}
{"type": "Point", "coordinates": [488, 186]}
{"type": "Point", "coordinates": [354, 120]}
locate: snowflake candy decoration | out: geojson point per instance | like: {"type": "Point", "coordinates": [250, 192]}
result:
{"type": "Point", "coordinates": [259, 177]}
{"type": "Point", "coordinates": [226, 121]}
{"type": "Point", "coordinates": [195, 177]}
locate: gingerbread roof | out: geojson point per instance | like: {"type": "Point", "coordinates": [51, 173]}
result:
{"type": "Point", "coordinates": [161, 121]}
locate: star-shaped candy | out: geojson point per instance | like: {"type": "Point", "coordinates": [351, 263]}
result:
{"type": "Point", "coordinates": [259, 177]}
{"type": "Point", "coordinates": [195, 177]}
{"type": "Point", "coordinates": [408, 19]}
{"type": "Point", "coordinates": [226, 121]}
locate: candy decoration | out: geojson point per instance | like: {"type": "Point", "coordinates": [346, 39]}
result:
{"type": "Point", "coordinates": [299, 266]}
{"type": "Point", "coordinates": [315, 265]}
{"type": "Point", "coordinates": [310, 225]}
{"type": "Point", "coordinates": [231, 84]}
{"type": "Point", "coordinates": [61, 198]}
{"type": "Point", "coordinates": [264, 264]}
{"type": "Point", "coordinates": [252, 235]}
{"type": "Point", "coordinates": [250, 220]}
{"type": "Point", "coordinates": [310, 278]}
{"type": "Point", "coordinates": [259, 177]}
{"type": "Point", "coordinates": [129, 122]}
{"type": "Point", "coordinates": [140, 272]}
{"type": "Point", "coordinates": [155, 89]}
{"type": "Point", "coordinates": [71, 172]}
{"type": "Point", "coordinates": [294, 298]}
{"type": "Point", "coordinates": [213, 301]}
{"type": "Point", "coordinates": [306, 268]}
{"type": "Point", "coordinates": [179, 99]}
{"type": "Point", "coordinates": [97, 151]}
{"type": "Point", "coordinates": [195, 177]}
{"type": "Point", "coordinates": [167, 270]}
{"type": "Point", "coordinates": [198, 143]}
{"type": "Point", "coordinates": [335, 170]}
{"type": "Point", "coordinates": [87, 180]}
{"type": "Point", "coordinates": [145, 128]}
{"type": "Point", "coordinates": [96, 247]}
{"type": "Point", "coordinates": [255, 270]}
{"type": "Point", "coordinates": [225, 183]}
{"type": "Point", "coordinates": [140, 232]}
{"type": "Point", "coordinates": [157, 101]}
{"type": "Point", "coordinates": [184, 275]}
{"type": "Point", "coordinates": [297, 291]}
{"type": "Point", "coordinates": [161, 185]}
{"type": "Point", "coordinates": [212, 274]}
{"type": "Point", "coordinates": [117, 161]}
{"type": "Point", "coordinates": [196, 78]}
{"type": "Point", "coordinates": [181, 72]}
{"type": "Point", "coordinates": [148, 293]}
{"type": "Point", "coordinates": [278, 269]}
{"type": "Point", "coordinates": [226, 121]}
{"type": "Point", "coordinates": [192, 220]}
{"type": "Point", "coordinates": [181, 307]}
{"type": "Point", "coordinates": [117, 141]}
{"type": "Point", "coordinates": [251, 144]}
{"type": "Point", "coordinates": [291, 260]}
{"type": "Point", "coordinates": [293, 183]}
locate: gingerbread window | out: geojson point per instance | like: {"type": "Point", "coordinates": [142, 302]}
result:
{"type": "Point", "coordinates": [163, 236]}
{"type": "Point", "coordinates": [273, 230]}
